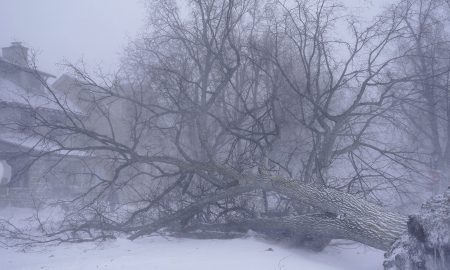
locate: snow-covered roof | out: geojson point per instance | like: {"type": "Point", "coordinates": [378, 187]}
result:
{"type": "Point", "coordinates": [27, 69]}
{"type": "Point", "coordinates": [13, 93]}
{"type": "Point", "coordinates": [38, 144]}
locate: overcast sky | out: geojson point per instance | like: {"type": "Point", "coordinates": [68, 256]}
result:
{"type": "Point", "coordinates": [95, 30]}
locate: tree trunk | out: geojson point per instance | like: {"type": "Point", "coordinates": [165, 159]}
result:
{"type": "Point", "coordinates": [345, 216]}
{"type": "Point", "coordinates": [352, 218]}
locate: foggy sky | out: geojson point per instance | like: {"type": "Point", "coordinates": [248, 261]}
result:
{"type": "Point", "coordinates": [95, 30]}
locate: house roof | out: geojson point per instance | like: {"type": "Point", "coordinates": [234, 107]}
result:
{"type": "Point", "coordinates": [38, 144]}
{"type": "Point", "coordinates": [27, 69]}
{"type": "Point", "coordinates": [13, 93]}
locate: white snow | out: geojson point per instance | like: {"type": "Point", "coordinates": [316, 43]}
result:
{"type": "Point", "coordinates": [38, 143]}
{"type": "Point", "coordinates": [187, 254]}
{"type": "Point", "coordinates": [11, 92]}
{"type": "Point", "coordinates": [168, 253]}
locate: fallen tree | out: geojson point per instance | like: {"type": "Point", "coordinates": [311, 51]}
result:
{"type": "Point", "coordinates": [417, 242]}
{"type": "Point", "coordinates": [209, 95]}
{"type": "Point", "coordinates": [342, 215]}
{"type": "Point", "coordinates": [218, 112]}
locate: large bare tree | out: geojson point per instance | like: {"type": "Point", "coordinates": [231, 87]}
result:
{"type": "Point", "coordinates": [238, 115]}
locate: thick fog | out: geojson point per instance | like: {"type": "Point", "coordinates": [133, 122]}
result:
{"type": "Point", "coordinates": [96, 31]}
{"type": "Point", "coordinates": [66, 30]}
{"type": "Point", "coordinates": [225, 134]}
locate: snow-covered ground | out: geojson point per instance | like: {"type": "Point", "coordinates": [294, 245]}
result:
{"type": "Point", "coordinates": [156, 252]}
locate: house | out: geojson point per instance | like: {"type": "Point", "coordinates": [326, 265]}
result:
{"type": "Point", "coordinates": [26, 168]}
{"type": "Point", "coordinates": [109, 113]}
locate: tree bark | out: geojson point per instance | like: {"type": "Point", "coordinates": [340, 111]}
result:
{"type": "Point", "coordinates": [346, 216]}
{"type": "Point", "coordinates": [353, 218]}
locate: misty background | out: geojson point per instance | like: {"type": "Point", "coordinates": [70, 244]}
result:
{"type": "Point", "coordinates": [95, 31]}
{"type": "Point", "coordinates": [278, 125]}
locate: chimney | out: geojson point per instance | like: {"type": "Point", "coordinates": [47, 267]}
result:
{"type": "Point", "coordinates": [16, 53]}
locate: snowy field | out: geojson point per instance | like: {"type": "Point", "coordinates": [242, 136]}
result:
{"type": "Point", "coordinates": [154, 253]}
